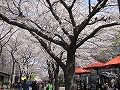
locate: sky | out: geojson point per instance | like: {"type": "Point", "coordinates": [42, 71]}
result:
{"type": "Point", "coordinates": [90, 0]}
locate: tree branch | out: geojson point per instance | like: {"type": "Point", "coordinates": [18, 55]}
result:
{"type": "Point", "coordinates": [95, 31]}
{"type": "Point", "coordinates": [72, 4]}
{"type": "Point", "coordinates": [57, 18]}
{"type": "Point", "coordinates": [64, 4]}
{"type": "Point", "coordinates": [30, 28]}
{"type": "Point", "coordinates": [69, 9]}
{"type": "Point", "coordinates": [97, 20]}
{"type": "Point", "coordinates": [52, 11]}
{"type": "Point", "coordinates": [60, 38]}
{"type": "Point", "coordinates": [49, 51]}
{"type": "Point", "coordinates": [96, 9]}
{"type": "Point", "coordinates": [6, 34]}
{"type": "Point", "coordinates": [37, 25]}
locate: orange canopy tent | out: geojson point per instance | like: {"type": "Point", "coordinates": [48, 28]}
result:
{"type": "Point", "coordinates": [115, 62]}
{"type": "Point", "coordinates": [80, 70]}
{"type": "Point", "coordinates": [96, 66]}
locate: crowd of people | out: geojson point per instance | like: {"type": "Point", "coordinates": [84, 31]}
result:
{"type": "Point", "coordinates": [34, 85]}
{"type": "Point", "coordinates": [25, 85]}
{"type": "Point", "coordinates": [108, 85]}
{"type": "Point", "coordinates": [111, 85]}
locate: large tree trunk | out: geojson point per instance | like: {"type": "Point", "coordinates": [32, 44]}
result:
{"type": "Point", "coordinates": [70, 71]}
{"type": "Point", "coordinates": [69, 82]}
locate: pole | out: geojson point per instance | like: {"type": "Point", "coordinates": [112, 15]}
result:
{"type": "Point", "coordinates": [90, 6]}
{"type": "Point", "coordinates": [118, 4]}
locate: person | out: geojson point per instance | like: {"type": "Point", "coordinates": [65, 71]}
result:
{"type": "Point", "coordinates": [19, 86]}
{"type": "Point", "coordinates": [49, 86]}
{"type": "Point", "coordinates": [0, 87]}
{"type": "Point", "coordinates": [93, 86]}
{"type": "Point", "coordinates": [84, 86]}
{"type": "Point", "coordinates": [105, 86]}
{"type": "Point", "coordinates": [117, 85]}
{"type": "Point", "coordinates": [34, 85]}
{"type": "Point", "coordinates": [42, 86]}
{"type": "Point", "coordinates": [109, 86]}
{"type": "Point", "coordinates": [25, 85]}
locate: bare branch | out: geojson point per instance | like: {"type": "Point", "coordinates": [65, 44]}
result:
{"type": "Point", "coordinates": [60, 38]}
{"type": "Point", "coordinates": [96, 9]}
{"type": "Point", "coordinates": [57, 18]}
{"type": "Point", "coordinates": [37, 25]}
{"type": "Point", "coordinates": [18, 7]}
{"type": "Point", "coordinates": [55, 2]}
{"type": "Point", "coordinates": [69, 9]}
{"type": "Point", "coordinates": [30, 28]}
{"type": "Point", "coordinates": [71, 17]}
{"type": "Point", "coordinates": [52, 11]}
{"type": "Point", "coordinates": [95, 31]}
{"type": "Point", "coordinates": [8, 38]}
{"type": "Point", "coordinates": [64, 4]}
{"type": "Point", "coordinates": [72, 4]}
{"type": "Point", "coordinates": [97, 20]}
{"type": "Point", "coordinates": [49, 51]}
{"type": "Point", "coordinates": [9, 8]}
{"type": "Point", "coordinates": [5, 34]}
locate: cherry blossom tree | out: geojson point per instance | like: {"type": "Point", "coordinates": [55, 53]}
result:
{"type": "Point", "coordinates": [61, 25]}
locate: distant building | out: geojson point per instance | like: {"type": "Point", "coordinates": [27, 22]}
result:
{"type": "Point", "coordinates": [4, 70]}
{"type": "Point", "coordinates": [4, 77]}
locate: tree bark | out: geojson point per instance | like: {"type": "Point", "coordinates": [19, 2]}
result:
{"type": "Point", "coordinates": [70, 71]}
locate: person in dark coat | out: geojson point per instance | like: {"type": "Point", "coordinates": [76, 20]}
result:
{"type": "Point", "coordinates": [34, 85]}
{"type": "Point", "coordinates": [19, 86]}
{"type": "Point", "coordinates": [117, 86]}
{"type": "Point", "coordinates": [25, 85]}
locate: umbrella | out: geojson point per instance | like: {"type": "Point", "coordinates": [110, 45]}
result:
{"type": "Point", "coordinates": [80, 70]}
{"type": "Point", "coordinates": [96, 65]}
{"type": "Point", "coordinates": [115, 62]}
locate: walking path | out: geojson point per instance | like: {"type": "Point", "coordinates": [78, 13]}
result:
{"type": "Point", "coordinates": [61, 88]}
